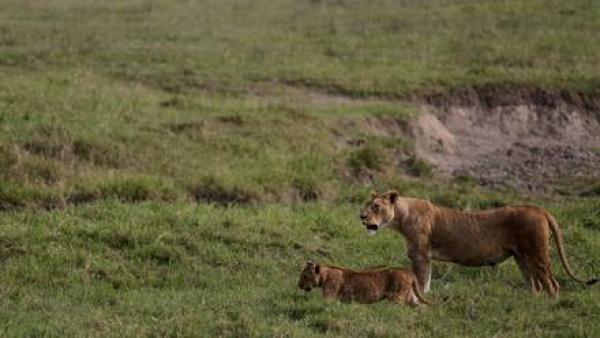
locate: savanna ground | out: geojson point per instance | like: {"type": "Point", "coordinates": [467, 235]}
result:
{"type": "Point", "coordinates": [167, 167]}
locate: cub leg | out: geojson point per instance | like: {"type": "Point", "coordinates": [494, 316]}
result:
{"type": "Point", "coordinates": [403, 295]}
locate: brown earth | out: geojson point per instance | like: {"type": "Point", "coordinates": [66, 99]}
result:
{"type": "Point", "coordinates": [529, 140]}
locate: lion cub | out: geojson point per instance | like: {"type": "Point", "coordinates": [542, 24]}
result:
{"type": "Point", "coordinates": [394, 284]}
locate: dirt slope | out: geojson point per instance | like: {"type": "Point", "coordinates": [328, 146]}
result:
{"type": "Point", "coordinates": [532, 144]}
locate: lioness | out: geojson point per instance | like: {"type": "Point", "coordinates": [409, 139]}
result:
{"type": "Point", "coordinates": [395, 284]}
{"type": "Point", "coordinates": [481, 238]}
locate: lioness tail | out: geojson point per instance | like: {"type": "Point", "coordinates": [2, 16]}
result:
{"type": "Point", "coordinates": [561, 251]}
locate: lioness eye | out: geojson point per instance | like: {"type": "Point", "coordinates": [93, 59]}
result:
{"type": "Point", "coordinates": [375, 207]}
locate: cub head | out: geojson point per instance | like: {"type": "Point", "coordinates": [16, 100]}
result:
{"type": "Point", "coordinates": [379, 210]}
{"type": "Point", "coordinates": [309, 278]}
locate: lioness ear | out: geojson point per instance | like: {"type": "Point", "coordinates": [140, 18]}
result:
{"type": "Point", "coordinates": [393, 196]}
{"type": "Point", "coordinates": [317, 269]}
{"type": "Point", "coordinates": [374, 194]}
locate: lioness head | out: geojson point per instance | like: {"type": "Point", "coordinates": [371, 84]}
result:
{"type": "Point", "coordinates": [309, 278]}
{"type": "Point", "coordinates": [379, 210]}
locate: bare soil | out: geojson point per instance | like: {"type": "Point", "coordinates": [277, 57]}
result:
{"type": "Point", "coordinates": [532, 141]}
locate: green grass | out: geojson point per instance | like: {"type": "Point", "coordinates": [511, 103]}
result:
{"type": "Point", "coordinates": [90, 132]}
{"type": "Point", "coordinates": [158, 269]}
{"type": "Point", "coordinates": [167, 167]}
{"type": "Point", "coordinates": [356, 47]}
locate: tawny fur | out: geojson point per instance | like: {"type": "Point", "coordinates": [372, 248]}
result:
{"type": "Point", "coordinates": [471, 238]}
{"type": "Point", "coordinates": [394, 284]}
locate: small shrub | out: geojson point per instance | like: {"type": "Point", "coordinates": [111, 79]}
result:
{"type": "Point", "coordinates": [307, 188]}
{"type": "Point", "coordinates": [592, 191]}
{"type": "Point", "coordinates": [490, 203]}
{"type": "Point", "coordinates": [419, 167]}
{"type": "Point", "coordinates": [449, 200]}
{"type": "Point", "coordinates": [370, 156]}
{"type": "Point", "coordinates": [465, 179]}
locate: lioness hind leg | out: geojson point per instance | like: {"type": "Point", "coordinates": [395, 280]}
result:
{"type": "Point", "coordinates": [545, 282]}
{"type": "Point", "coordinates": [542, 272]}
{"type": "Point", "coordinates": [555, 284]}
{"type": "Point", "coordinates": [533, 285]}
{"type": "Point", "coordinates": [544, 275]}
{"type": "Point", "coordinates": [539, 276]}
{"type": "Point", "coordinates": [550, 283]}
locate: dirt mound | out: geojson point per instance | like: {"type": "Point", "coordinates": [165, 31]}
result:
{"type": "Point", "coordinates": [537, 142]}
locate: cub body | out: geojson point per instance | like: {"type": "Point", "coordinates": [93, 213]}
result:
{"type": "Point", "coordinates": [394, 284]}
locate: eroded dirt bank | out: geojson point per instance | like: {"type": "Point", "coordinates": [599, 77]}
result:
{"type": "Point", "coordinates": [531, 140]}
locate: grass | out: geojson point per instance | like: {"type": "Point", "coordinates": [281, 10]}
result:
{"type": "Point", "coordinates": [200, 270]}
{"type": "Point", "coordinates": [92, 129]}
{"type": "Point", "coordinates": [354, 47]}
{"type": "Point", "coordinates": [167, 167]}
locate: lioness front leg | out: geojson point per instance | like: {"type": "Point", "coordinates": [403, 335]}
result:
{"type": "Point", "coordinates": [421, 265]}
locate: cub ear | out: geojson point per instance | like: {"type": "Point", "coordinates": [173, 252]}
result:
{"type": "Point", "coordinates": [374, 193]}
{"type": "Point", "coordinates": [309, 264]}
{"type": "Point", "coordinates": [318, 269]}
{"type": "Point", "coordinates": [393, 196]}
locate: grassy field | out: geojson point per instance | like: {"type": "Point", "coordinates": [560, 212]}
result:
{"type": "Point", "coordinates": [167, 167]}
{"type": "Point", "coordinates": [158, 269]}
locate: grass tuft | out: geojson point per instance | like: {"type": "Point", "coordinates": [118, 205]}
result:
{"type": "Point", "coordinates": [370, 156]}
